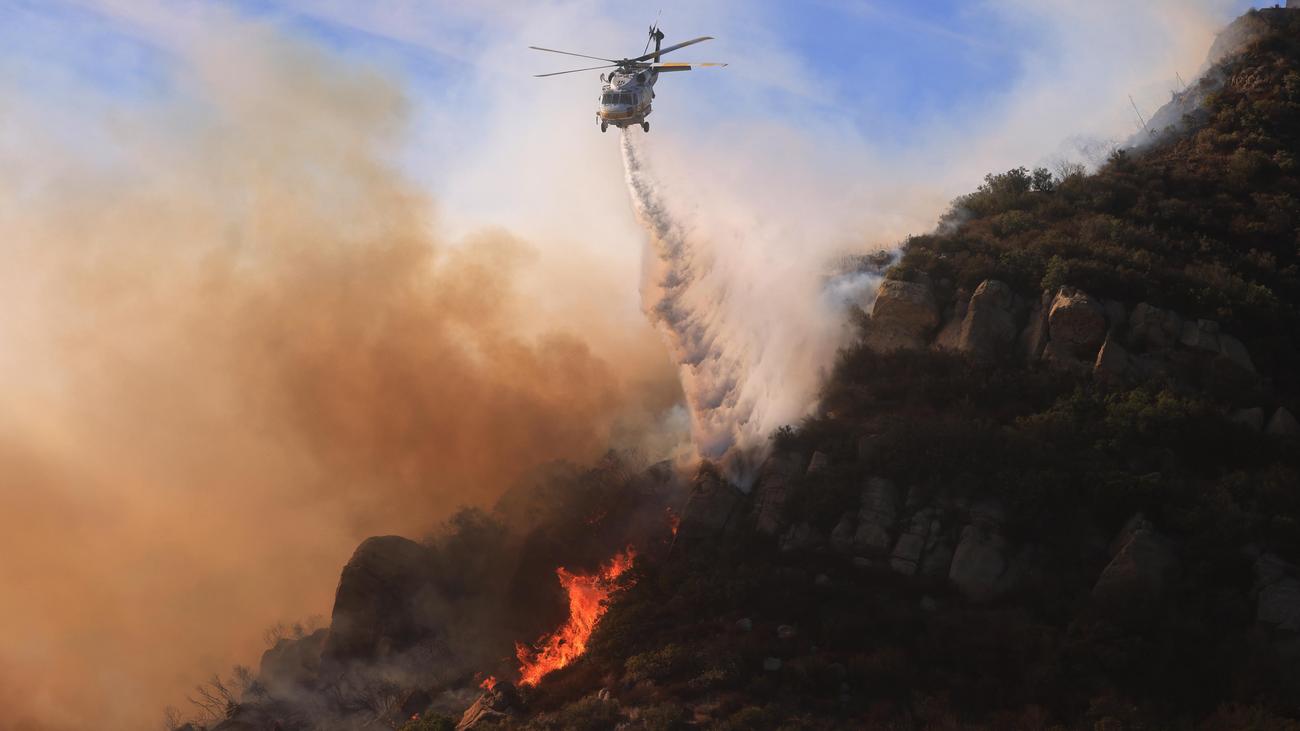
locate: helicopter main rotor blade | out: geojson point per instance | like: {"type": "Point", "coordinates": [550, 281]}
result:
{"type": "Point", "coordinates": [579, 55]}
{"type": "Point", "coordinates": [574, 71]}
{"type": "Point", "coordinates": [675, 64]}
{"type": "Point", "coordinates": [662, 51]}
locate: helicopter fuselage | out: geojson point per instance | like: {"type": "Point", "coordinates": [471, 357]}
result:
{"type": "Point", "coordinates": [625, 98]}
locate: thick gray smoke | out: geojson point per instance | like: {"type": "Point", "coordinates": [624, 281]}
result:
{"type": "Point", "coordinates": [751, 340]}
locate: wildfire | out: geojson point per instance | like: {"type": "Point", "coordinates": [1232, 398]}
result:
{"type": "Point", "coordinates": [488, 683]}
{"type": "Point", "coordinates": [674, 521]}
{"type": "Point", "coordinates": [587, 594]}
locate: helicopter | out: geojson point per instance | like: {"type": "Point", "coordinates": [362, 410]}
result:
{"type": "Point", "coordinates": [626, 92]}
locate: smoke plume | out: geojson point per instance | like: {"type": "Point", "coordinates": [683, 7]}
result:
{"type": "Point", "coordinates": [751, 344]}
{"type": "Point", "coordinates": [233, 345]}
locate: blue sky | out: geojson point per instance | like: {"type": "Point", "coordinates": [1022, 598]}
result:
{"type": "Point", "coordinates": [889, 108]}
{"type": "Point", "coordinates": [885, 65]}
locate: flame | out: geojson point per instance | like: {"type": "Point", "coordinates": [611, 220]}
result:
{"type": "Point", "coordinates": [587, 595]}
{"type": "Point", "coordinates": [674, 521]}
{"type": "Point", "coordinates": [488, 683]}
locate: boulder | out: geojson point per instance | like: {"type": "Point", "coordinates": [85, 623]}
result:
{"type": "Point", "coordinates": [1236, 353]}
{"type": "Point", "coordinates": [876, 515]}
{"type": "Point", "coordinates": [1060, 358]}
{"type": "Point", "coordinates": [292, 663]}
{"type": "Point", "coordinates": [1283, 424]}
{"type": "Point", "coordinates": [938, 558]}
{"type": "Point", "coordinates": [800, 537]}
{"type": "Point", "coordinates": [1134, 583]}
{"type": "Point", "coordinates": [950, 334]}
{"type": "Point", "coordinates": [1116, 315]}
{"type": "Point", "coordinates": [903, 316]}
{"type": "Point", "coordinates": [842, 535]}
{"type": "Point", "coordinates": [1112, 362]}
{"type": "Point", "coordinates": [979, 562]}
{"type": "Point", "coordinates": [1155, 328]}
{"type": "Point", "coordinates": [710, 509]}
{"type": "Point", "coordinates": [378, 607]}
{"type": "Point", "coordinates": [820, 462]}
{"type": "Point", "coordinates": [1034, 338]}
{"type": "Point", "coordinates": [1279, 605]}
{"type": "Point", "coordinates": [1201, 335]}
{"type": "Point", "coordinates": [770, 493]}
{"type": "Point", "coordinates": [1076, 323]}
{"type": "Point", "coordinates": [990, 325]}
{"type": "Point", "coordinates": [906, 558]}
{"type": "Point", "coordinates": [1270, 569]}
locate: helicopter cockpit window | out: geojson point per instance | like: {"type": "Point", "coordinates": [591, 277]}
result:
{"type": "Point", "coordinates": [609, 98]}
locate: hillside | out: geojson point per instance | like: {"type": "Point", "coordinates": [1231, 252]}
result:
{"type": "Point", "coordinates": [1055, 483]}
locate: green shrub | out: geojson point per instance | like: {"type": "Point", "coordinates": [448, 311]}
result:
{"type": "Point", "coordinates": [658, 664]}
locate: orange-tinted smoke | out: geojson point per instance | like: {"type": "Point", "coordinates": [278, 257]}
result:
{"type": "Point", "coordinates": [232, 346]}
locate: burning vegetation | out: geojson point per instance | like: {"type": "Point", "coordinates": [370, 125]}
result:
{"type": "Point", "coordinates": [588, 595]}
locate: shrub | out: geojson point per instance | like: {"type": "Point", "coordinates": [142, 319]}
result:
{"type": "Point", "coordinates": [658, 664]}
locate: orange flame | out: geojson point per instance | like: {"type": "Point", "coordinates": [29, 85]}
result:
{"type": "Point", "coordinates": [674, 521]}
{"type": "Point", "coordinates": [587, 595]}
{"type": "Point", "coordinates": [488, 683]}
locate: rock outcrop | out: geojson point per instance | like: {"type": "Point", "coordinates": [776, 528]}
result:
{"type": "Point", "coordinates": [292, 663]}
{"type": "Point", "coordinates": [1278, 587]}
{"type": "Point", "coordinates": [980, 560]}
{"type": "Point", "coordinates": [1112, 361]}
{"type": "Point", "coordinates": [919, 537]}
{"type": "Point", "coordinates": [991, 322]}
{"type": "Point", "coordinates": [876, 515]}
{"type": "Point", "coordinates": [377, 608]}
{"type": "Point", "coordinates": [1282, 424]}
{"type": "Point", "coordinates": [1154, 328]}
{"type": "Point", "coordinates": [771, 491]}
{"type": "Point", "coordinates": [903, 317]}
{"type": "Point", "coordinates": [711, 508]}
{"type": "Point", "coordinates": [1134, 583]}
{"type": "Point", "coordinates": [1076, 324]}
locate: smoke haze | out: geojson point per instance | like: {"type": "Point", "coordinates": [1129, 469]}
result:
{"type": "Point", "coordinates": [239, 334]}
{"type": "Point", "coordinates": [233, 348]}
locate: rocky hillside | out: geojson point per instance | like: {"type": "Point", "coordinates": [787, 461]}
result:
{"type": "Point", "coordinates": [1055, 484]}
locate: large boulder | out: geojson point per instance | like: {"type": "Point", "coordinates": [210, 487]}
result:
{"type": "Point", "coordinates": [378, 607]}
{"type": "Point", "coordinates": [842, 534]}
{"type": "Point", "coordinates": [1034, 338]}
{"type": "Point", "coordinates": [1283, 424]}
{"type": "Point", "coordinates": [1112, 362]}
{"type": "Point", "coordinates": [1155, 328]}
{"type": "Point", "coordinates": [990, 325]}
{"type": "Point", "coordinates": [771, 491]}
{"type": "Point", "coordinates": [1076, 323]}
{"type": "Point", "coordinates": [903, 317]}
{"type": "Point", "coordinates": [1201, 335]}
{"type": "Point", "coordinates": [876, 515]}
{"type": "Point", "coordinates": [1279, 605]}
{"type": "Point", "coordinates": [1236, 353]}
{"type": "Point", "coordinates": [801, 537]}
{"type": "Point", "coordinates": [711, 508]}
{"type": "Point", "coordinates": [292, 663]}
{"type": "Point", "coordinates": [1134, 583]}
{"type": "Point", "coordinates": [1278, 601]}
{"type": "Point", "coordinates": [949, 335]}
{"type": "Point", "coordinates": [913, 542]}
{"type": "Point", "coordinates": [979, 561]}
